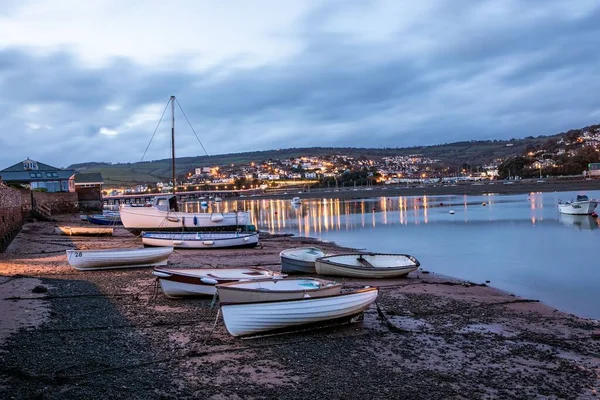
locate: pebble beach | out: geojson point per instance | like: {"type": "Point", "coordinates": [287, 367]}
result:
{"type": "Point", "coordinates": [67, 334]}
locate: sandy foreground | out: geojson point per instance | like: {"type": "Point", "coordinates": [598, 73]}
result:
{"type": "Point", "coordinates": [66, 334]}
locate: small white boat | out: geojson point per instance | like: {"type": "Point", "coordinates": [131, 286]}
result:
{"type": "Point", "coordinates": [200, 240]}
{"type": "Point", "coordinates": [184, 282]}
{"type": "Point", "coordinates": [86, 260]}
{"type": "Point", "coordinates": [300, 260]}
{"type": "Point", "coordinates": [581, 206]}
{"type": "Point", "coordinates": [83, 231]}
{"type": "Point", "coordinates": [369, 265]}
{"type": "Point", "coordinates": [296, 200]}
{"type": "Point", "coordinates": [276, 289]}
{"type": "Point", "coordinates": [217, 199]}
{"type": "Point", "coordinates": [251, 318]}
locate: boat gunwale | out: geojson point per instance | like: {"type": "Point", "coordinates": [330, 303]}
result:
{"type": "Point", "coordinates": [231, 285]}
{"type": "Point", "coordinates": [400, 268]}
{"type": "Point", "coordinates": [177, 276]}
{"type": "Point", "coordinates": [358, 291]}
{"type": "Point", "coordinates": [191, 233]}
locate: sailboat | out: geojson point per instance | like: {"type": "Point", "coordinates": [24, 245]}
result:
{"type": "Point", "coordinates": [163, 213]}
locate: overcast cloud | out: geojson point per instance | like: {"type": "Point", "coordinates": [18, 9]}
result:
{"type": "Point", "coordinates": [83, 81]}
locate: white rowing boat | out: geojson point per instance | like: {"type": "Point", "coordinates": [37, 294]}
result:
{"type": "Point", "coordinates": [371, 265]}
{"type": "Point", "coordinates": [251, 318]}
{"type": "Point", "coordinates": [85, 260]}
{"type": "Point", "coordinates": [276, 289]}
{"type": "Point", "coordinates": [300, 260]}
{"type": "Point", "coordinates": [200, 240]}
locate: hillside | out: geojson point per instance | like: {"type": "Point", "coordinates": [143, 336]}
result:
{"type": "Point", "coordinates": [451, 154]}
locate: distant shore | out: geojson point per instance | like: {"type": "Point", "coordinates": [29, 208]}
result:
{"type": "Point", "coordinates": [496, 187]}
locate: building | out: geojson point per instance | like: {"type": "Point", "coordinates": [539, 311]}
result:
{"type": "Point", "coordinates": [89, 189]}
{"type": "Point", "coordinates": [594, 169]}
{"type": "Point", "coordinates": [36, 175]}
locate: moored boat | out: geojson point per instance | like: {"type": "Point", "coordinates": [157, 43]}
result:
{"type": "Point", "coordinates": [243, 319]}
{"type": "Point", "coordinates": [83, 231]}
{"type": "Point", "coordinates": [201, 240]}
{"type": "Point", "coordinates": [276, 289]}
{"type": "Point", "coordinates": [581, 206]}
{"type": "Point", "coordinates": [104, 219]}
{"type": "Point", "coordinates": [163, 215]}
{"type": "Point", "coordinates": [370, 265]}
{"type": "Point", "coordinates": [86, 260]}
{"type": "Point", "coordinates": [300, 260]}
{"type": "Point", "coordinates": [184, 282]}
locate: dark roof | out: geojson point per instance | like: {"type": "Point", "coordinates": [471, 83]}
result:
{"type": "Point", "coordinates": [19, 172]}
{"type": "Point", "coordinates": [90, 177]}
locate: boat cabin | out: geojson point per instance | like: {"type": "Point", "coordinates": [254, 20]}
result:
{"type": "Point", "coordinates": [166, 203]}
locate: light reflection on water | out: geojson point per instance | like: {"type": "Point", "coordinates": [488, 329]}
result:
{"type": "Point", "coordinates": [518, 242]}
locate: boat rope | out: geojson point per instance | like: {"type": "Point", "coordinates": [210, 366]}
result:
{"type": "Point", "coordinates": [213, 327]}
{"type": "Point", "coordinates": [188, 121]}
{"type": "Point", "coordinates": [156, 129]}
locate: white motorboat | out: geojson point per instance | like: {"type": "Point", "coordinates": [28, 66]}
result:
{"type": "Point", "coordinates": [184, 282]}
{"type": "Point", "coordinates": [370, 265]}
{"type": "Point", "coordinates": [164, 215]}
{"type": "Point", "coordinates": [581, 206]}
{"type": "Point", "coordinates": [276, 289]}
{"type": "Point", "coordinates": [243, 319]}
{"type": "Point", "coordinates": [86, 260]}
{"type": "Point", "coordinates": [300, 260]}
{"type": "Point", "coordinates": [201, 240]}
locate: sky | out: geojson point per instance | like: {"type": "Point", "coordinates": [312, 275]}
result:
{"type": "Point", "coordinates": [89, 81]}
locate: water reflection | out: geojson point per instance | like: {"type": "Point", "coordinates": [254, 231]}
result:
{"type": "Point", "coordinates": [578, 221]}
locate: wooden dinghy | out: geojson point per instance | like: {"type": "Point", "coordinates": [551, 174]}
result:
{"type": "Point", "coordinates": [83, 231]}
{"type": "Point", "coordinates": [201, 240]}
{"type": "Point", "coordinates": [185, 282]}
{"type": "Point", "coordinates": [300, 260]}
{"type": "Point", "coordinates": [86, 260]}
{"type": "Point", "coordinates": [243, 319]}
{"type": "Point", "coordinates": [276, 289]}
{"type": "Point", "coordinates": [370, 265]}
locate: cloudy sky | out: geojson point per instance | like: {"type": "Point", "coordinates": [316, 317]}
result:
{"type": "Point", "coordinates": [88, 81]}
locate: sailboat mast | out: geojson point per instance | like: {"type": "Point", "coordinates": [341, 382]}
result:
{"type": "Point", "coordinates": [173, 141]}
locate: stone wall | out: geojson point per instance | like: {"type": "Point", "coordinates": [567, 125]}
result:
{"type": "Point", "coordinates": [11, 219]}
{"type": "Point", "coordinates": [59, 203]}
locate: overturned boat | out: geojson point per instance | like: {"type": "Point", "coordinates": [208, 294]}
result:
{"type": "Point", "coordinates": [201, 240]}
{"type": "Point", "coordinates": [185, 282]}
{"type": "Point", "coordinates": [276, 289]}
{"type": "Point", "coordinates": [86, 260]}
{"type": "Point", "coordinates": [370, 265]}
{"type": "Point", "coordinates": [243, 319]}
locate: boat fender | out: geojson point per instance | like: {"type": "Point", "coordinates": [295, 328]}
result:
{"type": "Point", "coordinates": [208, 281]}
{"type": "Point", "coordinates": [177, 242]}
{"type": "Point", "coordinates": [217, 217]}
{"type": "Point", "coordinates": [246, 239]}
{"type": "Point", "coordinates": [208, 242]}
{"type": "Point", "coordinates": [195, 220]}
{"type": "Point", "coordinates": [306, 296]}
{"type": "Point", "coordinates": [161, 274]}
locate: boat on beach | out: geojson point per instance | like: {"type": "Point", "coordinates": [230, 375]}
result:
{"type": "Point", "coordinates": [185, 282]}
{"type": "Point", "coordinates": [242, 319]}
{"type": "Point", "coordinates": [87, 260]}
{"type": "Point", "coordinates": [300, 260]}
{"type": "Point", "coordinates": [276, 289]}
{"type": "Point", "coordinates": [581, 206]}
{"type": "Point", "coordinates": [104, 219]}
{"type": "Point", "coordinates": [370, 265]}
{"type": "Point", "coordinates": [201, 240]}
{"type": "Point", "coordinates": [83, 231]}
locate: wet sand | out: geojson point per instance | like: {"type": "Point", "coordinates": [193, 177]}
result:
{"type": "Point", "coordinates": [111, 334]}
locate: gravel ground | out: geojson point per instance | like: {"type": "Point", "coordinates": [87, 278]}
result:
{"type": "Point", "coordinates": [111, 334]}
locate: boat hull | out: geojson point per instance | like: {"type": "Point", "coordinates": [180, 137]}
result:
{"type": "Point", "coordinates": [252, 318]}
{"type": "Point", "coordinates": [276, 290]}
{"type": "Point", "coordinates": [190, 282]}
{"type": "Point", "coordinates": [200, 240]}
{"type": "Point", "coordinates": [348, 265]}
{"type": "Point", "coordinates": [578, 207]}
{"type": "Point", "coordinates": [86, 260]}
{"type": "Point", "coordinates": [300, 260]}
{"type": "Point", "coordinates": [138, 219]}
{"type": "Point", "coordinates": [83, 231]}
{"type": "Point", "coordinates": [104, 220]}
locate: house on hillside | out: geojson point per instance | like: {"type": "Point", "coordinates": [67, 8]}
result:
{"type": "Point", "coordinates": [36, 175]}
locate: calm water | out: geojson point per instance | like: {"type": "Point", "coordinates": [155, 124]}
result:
{"type": "Point", "coordinates": [518, 242]}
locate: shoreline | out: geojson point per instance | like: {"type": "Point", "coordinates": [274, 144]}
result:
{"type": "Point", "coordinates": [109, 334]}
